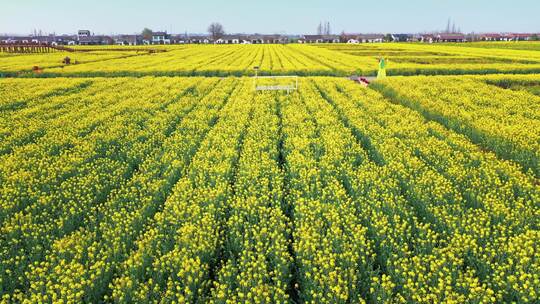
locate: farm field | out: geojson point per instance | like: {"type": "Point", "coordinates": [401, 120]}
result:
{"type": "Point", "coordinates": [445, 59]}
{"type": "Point", "coordinates": [13, 63]}
{"type": "Point", "coordinates": [289, 59]}
{"type": "Point", "coordinates": [530, 45]}
{"type": "Point", "coordinates": [153, 189]}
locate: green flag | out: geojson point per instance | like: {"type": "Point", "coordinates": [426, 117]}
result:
{"type": "Point", "coordinates": [382, 69]}
{"type": "Point", "coordinates": [382, 64]}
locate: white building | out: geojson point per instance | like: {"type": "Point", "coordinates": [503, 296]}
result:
{"type": "Point", "coordinates": [160, 38]}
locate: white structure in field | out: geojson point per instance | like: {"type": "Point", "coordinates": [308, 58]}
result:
{"type": "Point", "coordinates": [292, 85]}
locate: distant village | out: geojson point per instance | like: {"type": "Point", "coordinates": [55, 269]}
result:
{"type": "Point", "coordinates": [85, 37]}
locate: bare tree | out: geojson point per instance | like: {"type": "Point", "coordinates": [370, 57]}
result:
{"type": "Point", "coordinates": [343, 37]}
{"type": "Point", "coordinates": [216, 30]}
{"type": "Point", "coordinates": [324, 28]}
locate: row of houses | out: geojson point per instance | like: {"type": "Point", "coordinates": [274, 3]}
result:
{"type": "Point", "coordinates": [378, 38]}
{"type": "Point", "coordinates": [155, 38]}
{"type": "Point", "coordinates": [458, 37]}
{"type": "Point", "coordinates": [252, 39]}
{"type": "Point", "coordinates": [53, 40]}
{"type": "Point", "coordinates": [432, 38]}
{"type": "Point", "coordinates": [59, 40]}
{"type": "Point", "coordinates": [84, 37]}
{"type": "Point", "coordinates": [509, 36]}
{"type": "Point", "coordinates": [163, 38]}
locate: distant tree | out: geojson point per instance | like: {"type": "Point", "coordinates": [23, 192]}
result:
{"type": "Point", "coordinates": [388, 38]}
{"type": "Point", "coordinates": [216, 30]}
{"type": "Point", "coordinates": [535, 37]}
{"type": "Point", "coordinates": [343, 37]}
{"type": "Point", "coordinates": [327, 30]}
{"type": "Point", "coordinates": [147, 33]}
{"type": "Point", "coordinates": [473, 37]}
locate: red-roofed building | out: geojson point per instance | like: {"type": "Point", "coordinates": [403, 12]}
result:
{"type": "Point", "coordinates": [451, 38]}
{"type": "Point", "coordinates": [520, 36]}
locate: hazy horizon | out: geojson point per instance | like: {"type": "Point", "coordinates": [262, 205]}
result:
{"type": "Point", "coordinates": [276, 17]}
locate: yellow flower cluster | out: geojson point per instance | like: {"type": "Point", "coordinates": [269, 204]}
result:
{"type": "Point", "coordinates": [188, 229]}
{"type": "Point", "coordinates": [257, 261]}
{"type": "Point", "coordinates": [444, 59]}
{"type": "Point", "coordinates": [300, 59]}
{"type": "Point", "coordinates": [504, 121]}
{"type": "Point", "coordinates": [223, 60]}
{"type": "Point", "coordinates": [512, 45]}
{"type": "Point", "coordinates": [331, 246]}
{"type": "Point", "coordinates": [125, 139]}
{"type": "Point", "coordinates": [18, 93]}
{"type": "Point", "coordinates": [55, 177]}
{"type": "Point", "coordinates": [11, 63]}
{"type": "Point", "coordinates": [277, 59]}
{"type": "Point", "coordinates": [192, 190]}
{"type": "Point", "coordinates": [463, 206]}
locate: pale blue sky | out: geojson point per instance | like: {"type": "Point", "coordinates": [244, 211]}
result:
{"type": "Point", "coordinates": [272, 16]}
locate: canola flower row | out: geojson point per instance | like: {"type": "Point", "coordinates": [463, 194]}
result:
{"type": "Point", "coordinates": [51, 186]}
{"type": "Point", "coordinates": [444, 59]}
{"type": "Point", "coordinates": [533, 89]}
{"type": "Point", "coordinates": [291, 59]}
{"type": "Point", "coordinates": [504, 121]}
{"type": "Point", "coordinates": [256, 265]}
{"type": "Point", "coordinates": [223, 60]}
{"type": "Point", "coordinates": [16, 93]}
{"type": "Point", "coordinates": [330, 243]}
{"type": "Point", "coordinates": [397, 54]}
{"type": "Point", "coordinates": [525, 83]}
{"type": "Point", "coordinates": [445, 49]}
{"type": "Point", "coordinates": [11, 64]}
{"type": "Point", "coordinates": [513, 45]}
{"type": "Point", "coordinates": [31, 118]}
{"type": "Point", "coordinates": [470, 220]}
{"type": "Point", "coordinates": [124, 216]}
{"type": "Point", "coordinates": [407, 57]}
{"type": "Point", "coordinates": [173, 259]}
{"type": "Point", "coordinates": [201, 190]}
